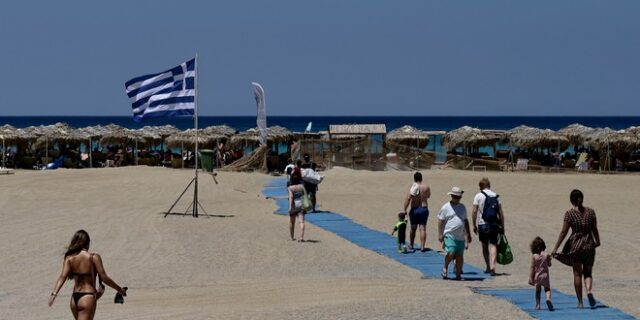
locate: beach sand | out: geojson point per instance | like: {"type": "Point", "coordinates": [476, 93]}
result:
{"type": "Point", "coordinates": [245, 266]}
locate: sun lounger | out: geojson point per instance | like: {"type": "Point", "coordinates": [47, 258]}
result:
{"type": "Point", "coordinates": [6, 171]}
{"type": "Point", "coordinates": [522, 164]}
{"type": "Point", "coordinates": [581, 163]}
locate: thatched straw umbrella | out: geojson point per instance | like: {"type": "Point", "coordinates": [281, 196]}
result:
{"type": "Point", "coordinates": [575, 133]}
{"type": "Point", "coordinates": [408, 136]}
{"type": "Point", "coordinates": [152, 134]}
{"type": "Point", "coordinates": [275, 134]}
{"type": "Point", "coordinates": [7, 132]}
{"type": "Point", "coordinates": [474, 137]}
{"type": "Point", "coordinates": [525, 136]}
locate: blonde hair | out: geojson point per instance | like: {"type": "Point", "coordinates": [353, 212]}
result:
{"type": "Point", "coordinates": [484, 183]}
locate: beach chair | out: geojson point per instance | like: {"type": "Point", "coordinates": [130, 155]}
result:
{"type": "Point", "coordinates": [522, 164]}
{"type": "Point", "coordinates": [581, 163]}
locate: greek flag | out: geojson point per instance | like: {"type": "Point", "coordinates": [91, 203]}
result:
{"type": "Point", "coordinates": [169, 93]}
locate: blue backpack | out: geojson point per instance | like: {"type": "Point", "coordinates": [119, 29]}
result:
{"type": "Point", "coordinates": [491, 210]}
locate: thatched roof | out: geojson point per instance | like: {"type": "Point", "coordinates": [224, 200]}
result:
{"type": "Point", "coordinates": [408, 135]}
{"type": "Point", "coordinates": [468, 136]}
{"type": "Point", "coordinates": [528, 137]}
{"type": "Point", "coordinates": [219, 132]}
{"type": "Point", "coordinates": [8, 133]}
{"type": "Point", "coordinates": [575, 133]}
{"type": "Point", "coordinates": [274, 134]}
{"type": "Point", "coordinates": [351, 129]}
{"type": "Point", "coordinates": [187, 139]}
{"type": "Point", "coordinates": [601, 138]}
{"type": "Point", "coordinates": [116, 135]}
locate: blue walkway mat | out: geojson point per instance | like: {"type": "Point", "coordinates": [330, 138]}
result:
{"type": "Point", "coordinates": [277, 182]}
{"type": "Point", "coordinates": [275, 192]}
{"type": "Point", "coordinates": [564, 304]}
{"type": "Point", "coordinates": [429, 263]}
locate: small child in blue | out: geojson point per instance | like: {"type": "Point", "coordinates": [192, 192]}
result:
{"type": "Point", "coordinates": [401, 227]}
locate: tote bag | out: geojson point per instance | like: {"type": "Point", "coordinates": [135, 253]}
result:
{"type": "Point", "coordinates": [505, 256]}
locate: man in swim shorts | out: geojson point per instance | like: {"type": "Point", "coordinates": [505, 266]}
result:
{"type": "Point", "coordinates": [416, 200]}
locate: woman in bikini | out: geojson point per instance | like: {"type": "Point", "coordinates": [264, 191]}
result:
{"type": "Point", "coordinates": [83, 267]}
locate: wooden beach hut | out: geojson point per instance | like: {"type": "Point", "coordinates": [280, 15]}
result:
{"type": "Point", "coordinates": [408, 144]}
{"type": "Point", "coordinates": [356, 145]}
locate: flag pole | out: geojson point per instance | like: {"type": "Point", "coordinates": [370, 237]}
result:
{"type": "Point", "coordinates": [195, 120]}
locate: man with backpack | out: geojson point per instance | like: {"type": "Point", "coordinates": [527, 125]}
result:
{"type": "Point", "coordinates": [488, 222]}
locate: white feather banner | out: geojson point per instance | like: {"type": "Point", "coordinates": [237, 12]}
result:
{"type": "Point", "coordinates": [261, 120]}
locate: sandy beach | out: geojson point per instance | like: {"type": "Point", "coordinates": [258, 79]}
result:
{"type": "Point", "coordinates": [245, 266]}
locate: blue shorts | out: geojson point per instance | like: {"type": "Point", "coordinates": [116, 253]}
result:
{"type": "Point", "coordinates": [452, 245]}
{"type": "Point", "coordinates": [419, 216]}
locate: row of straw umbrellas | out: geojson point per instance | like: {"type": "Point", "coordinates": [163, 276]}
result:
{"type": "Point", "coordinates": [527, 137]}
{"type": "Point", "coordinates": [41, 136]}
{"type": "Point", "coordinates": [522, 136]}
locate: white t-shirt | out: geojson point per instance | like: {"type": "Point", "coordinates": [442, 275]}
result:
{"type": "Point", "coordinates": [454, 215]}
{"type": "Point", "coordinates": [478, 200]}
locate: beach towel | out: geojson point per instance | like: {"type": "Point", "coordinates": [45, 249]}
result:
{"type": "Point", "coordinates": [311, 176]}
{"type": "Point", "coordinates": [415, 189]}
{"type": "Point", "coordinates": [56, 163]}
{"type": "Point", "coordinates": [523, 164]}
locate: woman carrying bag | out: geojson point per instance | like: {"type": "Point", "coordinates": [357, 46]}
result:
{"type": "Point", "coordinates": [299, 204]}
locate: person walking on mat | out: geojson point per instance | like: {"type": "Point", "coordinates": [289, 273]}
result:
{"type": "Point", "coordinates": [488, 223]}
{"type": "Point", "coordinates": [401, 227]}
{"type": "Point", "coordinates": [579, 252]}
{"type": "Point", "coordinates": [416, 199]}
{"type": "Point", "coordinates": [453, 230]}
{"type": "Point", "coordinates": [539, 271]}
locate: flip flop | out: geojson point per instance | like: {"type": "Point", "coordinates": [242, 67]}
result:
{"type": "Point", "coordinates": [592, 300]}
{"type": "Point", "coordinates": [550, 305]}
{"type": "Point", "coordinates": [444, 274]}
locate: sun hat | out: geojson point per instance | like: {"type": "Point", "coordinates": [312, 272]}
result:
{"type": "Point", "coordinates": [455, 191]}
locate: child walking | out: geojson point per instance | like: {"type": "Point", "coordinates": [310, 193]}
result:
{"type": "Point", "coordinates": [401, 227]}
{"type": "Point", "coordinates": [539, 275]}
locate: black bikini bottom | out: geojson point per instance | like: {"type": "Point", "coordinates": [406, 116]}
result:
{"type": "Point", "coordinates": [77, 295]}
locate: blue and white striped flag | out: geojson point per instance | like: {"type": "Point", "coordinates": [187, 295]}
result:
{"type": "Point", "coordinates": [169, 93]}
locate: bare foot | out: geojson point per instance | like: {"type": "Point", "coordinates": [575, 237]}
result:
{"type": "Point", "coordinates": [537, 306]}
{"type": "Point", "coordinates": [580, 305]}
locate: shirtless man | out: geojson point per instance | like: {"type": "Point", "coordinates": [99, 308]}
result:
{"type": "Point", "coordinates": [416, 200]}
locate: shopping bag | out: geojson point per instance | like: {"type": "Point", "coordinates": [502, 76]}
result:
{"type": "Point", "coordinates": [306, 203]}
{"type": "Point", "coordinates": [505, 256]}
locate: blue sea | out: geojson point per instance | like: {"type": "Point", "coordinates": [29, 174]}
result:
{"type": "Point", "coordinates": [299, 123]}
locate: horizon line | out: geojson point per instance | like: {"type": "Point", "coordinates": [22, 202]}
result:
{"type": "Point", "coordinates": [356, 116]}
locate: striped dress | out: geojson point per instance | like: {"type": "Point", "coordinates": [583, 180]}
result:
{"type": "Point", "coordinates": [580, 247]}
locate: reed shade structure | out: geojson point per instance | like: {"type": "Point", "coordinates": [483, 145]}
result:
{"type": "Point", "coordinates": [602, 139]}
{"type": "Point", "coordinates": [575, 133]}
{"type": "Point", "coordinates": [529, 137]}
{"type": "Point", "coordinates": [472, 137]}
{"type": "Point", "coordinates": [188, 138]}
{"type": "Point", "coordinates": [7, 132]}
{"type": "Point", "coordinates": [275, 134]}
{"type": "Point", "coordinates": [153, 134]}
{"type": "Point", "coordinates": [408, 136]}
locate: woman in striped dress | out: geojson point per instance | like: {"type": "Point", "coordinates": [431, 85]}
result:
{"type": "Point", "coordinates": [579, 251]}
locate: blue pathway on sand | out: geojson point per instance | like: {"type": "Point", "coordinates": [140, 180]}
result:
{"type": "Point", "coordinates": [564, 304]}
{"type": "Point", "coordinates": [430, 263]}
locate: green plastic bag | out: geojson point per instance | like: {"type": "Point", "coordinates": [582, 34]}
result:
{"type": "Point", "coordinates": [306, 203]}
{"type": "Point", "coordinates": [505, 256]}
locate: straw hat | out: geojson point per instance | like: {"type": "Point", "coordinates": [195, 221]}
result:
{"type": "Point", "coordinates": [455, 191]}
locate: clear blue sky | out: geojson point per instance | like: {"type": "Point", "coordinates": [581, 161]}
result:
{"type": "Point", "coordinates": [328, 57]}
